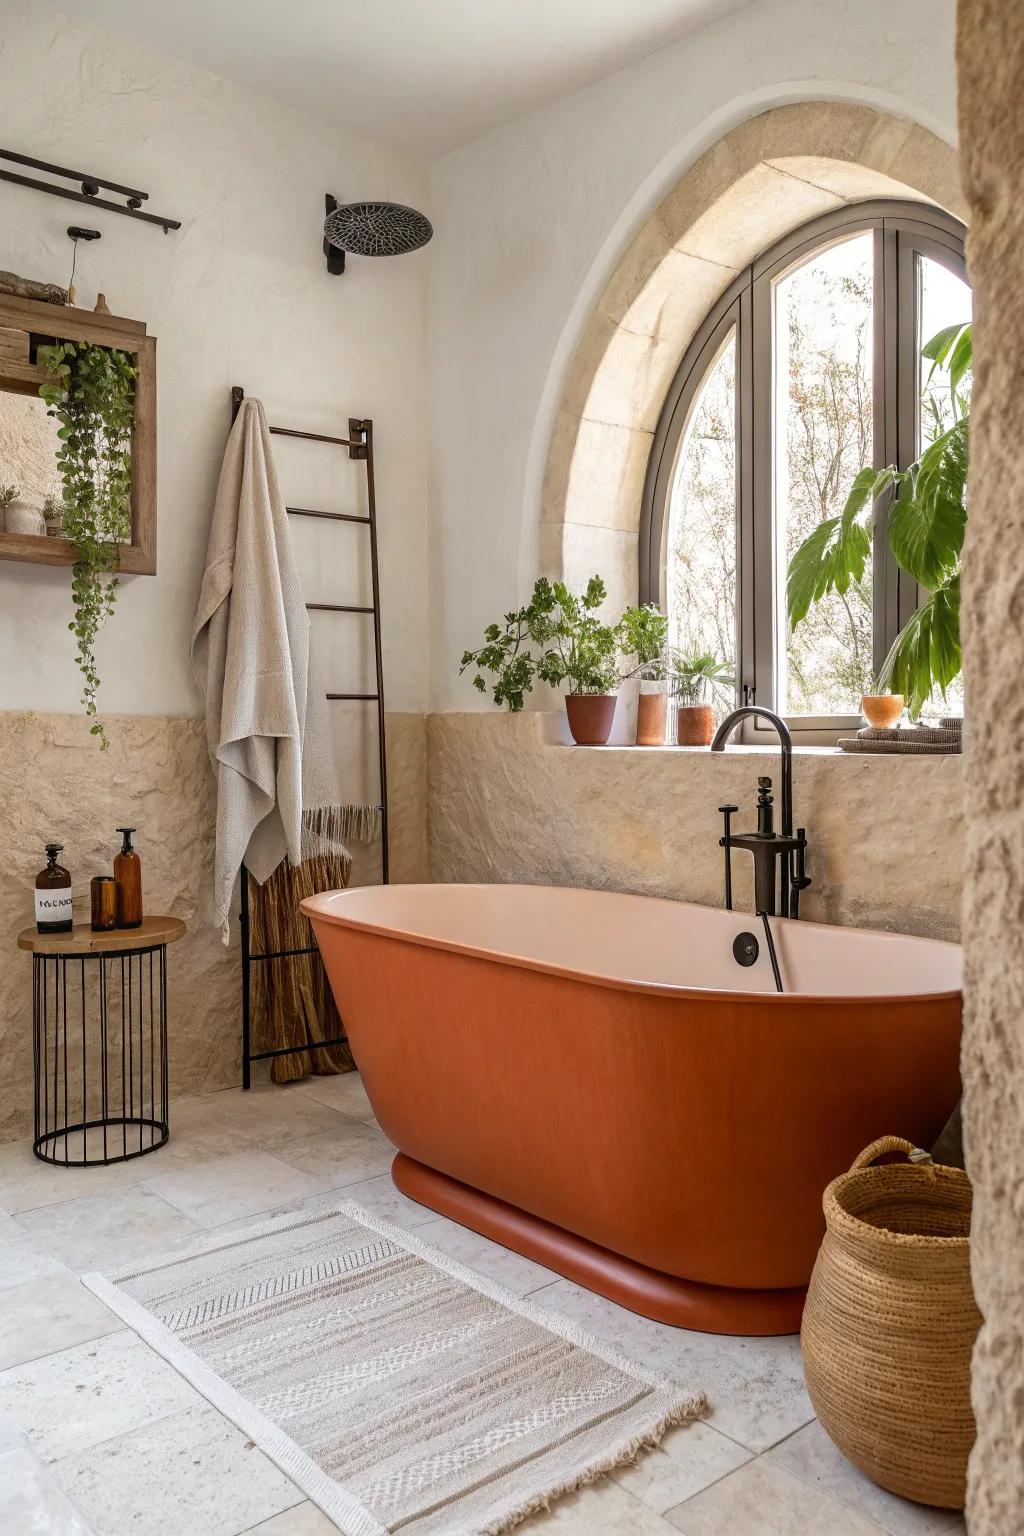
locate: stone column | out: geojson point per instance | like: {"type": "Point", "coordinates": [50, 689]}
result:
{"type": "Point", "coordinates": [990, 48]}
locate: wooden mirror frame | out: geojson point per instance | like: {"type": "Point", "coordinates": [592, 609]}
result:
{"type": "Point", "coordinates": [43, 322]}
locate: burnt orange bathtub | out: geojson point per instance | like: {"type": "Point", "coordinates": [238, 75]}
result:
{"type": "Point", "coordinates": [593, 1080]}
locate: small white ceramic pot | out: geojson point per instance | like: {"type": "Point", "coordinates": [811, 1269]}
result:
{"type": "Point", "coordinates": [20, 517]}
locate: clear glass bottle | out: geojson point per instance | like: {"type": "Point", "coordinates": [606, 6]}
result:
{"type": "Point", "coordinates": [53, 894]}
{"type": "Point", "coordinates": [128, 874]}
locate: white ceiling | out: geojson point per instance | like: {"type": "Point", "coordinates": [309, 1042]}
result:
{"type": "Point", "coordinates": [424, 75]}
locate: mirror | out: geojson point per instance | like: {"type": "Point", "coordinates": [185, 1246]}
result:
{"type": "Point", "coordinates": [30, 488]}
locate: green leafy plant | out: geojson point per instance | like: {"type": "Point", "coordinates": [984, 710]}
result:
{"type": "Point", "coordinates": [8, 493]}
{"type": "Point", "coordinates": [579, 649]}
{"type": "Point", "coordinates": [505, 653]}
{"type": "Point", "coordinates": [90, 390]}
{"type": "Point", "coordinates": [556, 637]}
{"type": "Point", "coordinates": [643, 632]}
{"type": "Point", "coordinates": [925, 528]}
{"type": "Point", "coordinates": [53, 512]}
{"type": "Point", "coordinates": [695, 677]}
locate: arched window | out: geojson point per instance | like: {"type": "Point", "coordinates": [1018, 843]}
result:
{"type": "Point", "coordinates": [806, 370]}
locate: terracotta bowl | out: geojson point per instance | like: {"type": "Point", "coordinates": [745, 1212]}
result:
{"type": "Point", "coordinates": [883, 710]}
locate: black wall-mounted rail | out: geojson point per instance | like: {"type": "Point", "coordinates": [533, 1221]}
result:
{"type": "Point", "coordinates": [87, 191]}
{"type": "Point", "coordinates": [360, 446]}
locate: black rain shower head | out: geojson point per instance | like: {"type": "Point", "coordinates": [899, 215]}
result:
{"type": "Point", "coordinates": [372, 229]}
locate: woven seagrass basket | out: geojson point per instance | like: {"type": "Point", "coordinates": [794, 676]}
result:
{"type": "Point", "coordinates": [890, 1323]}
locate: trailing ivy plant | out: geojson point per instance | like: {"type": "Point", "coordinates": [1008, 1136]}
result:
{"type": "Point", "coordinates": [556, 637]}
{"type": "Point", "coordinates": [90, 390]}
{"type": "Point", "coordinates": [925, 528]}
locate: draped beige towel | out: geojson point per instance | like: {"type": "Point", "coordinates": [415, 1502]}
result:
{"type": "Point", "coordinates": [265, 719]}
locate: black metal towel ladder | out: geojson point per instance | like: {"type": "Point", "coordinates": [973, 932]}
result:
{"type": "Point", "coordinates": [360, 446]}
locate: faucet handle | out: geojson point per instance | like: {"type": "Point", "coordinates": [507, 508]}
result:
{"type": "Point", "coordinates": [729, 810]}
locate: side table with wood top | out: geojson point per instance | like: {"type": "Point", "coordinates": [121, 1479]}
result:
{"type": "Point", "coordinates": [99, 1007]}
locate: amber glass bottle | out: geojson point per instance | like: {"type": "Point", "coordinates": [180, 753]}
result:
{"type": "Point", "coordinates": [53, 894]}
{"type": "Point", "coordinates": [128, 874]}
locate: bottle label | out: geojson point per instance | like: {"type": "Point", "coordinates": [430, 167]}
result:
{"type": "Point", "coordinates": [53, 906]}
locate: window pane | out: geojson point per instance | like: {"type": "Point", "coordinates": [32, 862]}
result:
{"type": "Point", "coordinates": [822, 436]}
{"type": "Point", "coordinates": [700, 553]}
{"type": "Point", "coordinates": [943, 299]}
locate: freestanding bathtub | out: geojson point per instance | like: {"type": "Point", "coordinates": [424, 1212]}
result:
{"type": "Point", "coordinates": [593, 1080]}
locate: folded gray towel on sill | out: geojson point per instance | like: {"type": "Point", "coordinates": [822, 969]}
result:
{"type": "Point", "coordinates": [904, 744]}
{"type": "Point", "coordinates": [920, 733]}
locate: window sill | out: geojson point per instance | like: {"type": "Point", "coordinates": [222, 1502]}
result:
{"type": "Point", "coordinates": [553, 729]}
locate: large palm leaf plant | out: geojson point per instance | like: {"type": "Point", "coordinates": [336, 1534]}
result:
{"type": "Point", "coordinates": [925, 528]}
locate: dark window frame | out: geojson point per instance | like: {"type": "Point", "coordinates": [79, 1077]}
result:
{"type": "Point", "coordinates": [902, 231]}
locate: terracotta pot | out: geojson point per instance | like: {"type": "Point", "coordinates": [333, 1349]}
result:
{"type": "Point", "coordinates": [882, 709]}
{"type": "Point", "coordinates": [590, 717]}
{"type": "Point", "coordinates": [651, 714]}
{"type": "Point", "coordinates": [694, 725]}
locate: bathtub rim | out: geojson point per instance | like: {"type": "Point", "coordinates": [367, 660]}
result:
{"type": "Point", "coordinates": [313, 908]}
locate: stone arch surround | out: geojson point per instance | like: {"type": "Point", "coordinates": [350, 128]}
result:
{"type": "Point", "coordinates": [764, 178]}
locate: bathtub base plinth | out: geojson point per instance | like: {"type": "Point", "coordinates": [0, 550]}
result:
{"type": "Point", "coordinates": [665, 1298]}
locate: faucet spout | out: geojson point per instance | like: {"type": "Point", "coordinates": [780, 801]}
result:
{"type": "Point", "coordinates": [726, 729]}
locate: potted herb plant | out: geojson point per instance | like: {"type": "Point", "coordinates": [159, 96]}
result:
{"type": "Point", "coordinates": [583, 652]}
{"type": "Point", "coordinates": [53, 516]}
{"type": "Point", "coordinates": [694, 678]}
{"type": "Point", "coordinates": [558, 638]}
{"type": "Point", "coordinates": [925, 528]}
{"type": "Point", "coordinates": [643, 633]}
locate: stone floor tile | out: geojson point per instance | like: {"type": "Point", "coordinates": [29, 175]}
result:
{"type": "Point", "coordinates": [68, 1402]}
{"type": "Point", "coordinates": [689, 1458]}
{"type": "Point", "coordinates": [106, 1232]}
{"type": "Point", "coordinates": [601, 1509]}
{"type": "Point", "coordinates": [32, 1503]}
{"type": "Point", "coordinates": [23, 1256]}
{"type": "Point", "coordinates": [380, 1196]}
{"type": "Point", "coordinates": [27, 1182]}
{"type": "Point", "coordinates": [344, 1092]}
{"type": "Point", "coordinates": [187, 1474]}
{"type": "Point", "coordinates": [349, 1153]}
{"type": "Point", "coordinates": [755, 1387]}
{"type": "Point", "coordinates": [49, 1314]}
{"type": "Point", "coordinates": [231, 1121]}
{"type": "Point", "coordinates": [763, 1500]}
{"type": "Point", "coordinates": [227, 1188]}
{"type": "Point", "coordinates": [484, 1257]}
{"type": "Point", "coordinates": [811, 1456]}
{"type": "Point", "coordinates": [302, 1520]}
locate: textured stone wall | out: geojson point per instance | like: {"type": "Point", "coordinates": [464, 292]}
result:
{"type": "Point", "coordinates": [56, 784]}
{"type": "Point", "coordinates": [991, 70]}
{"type": "Point", "coordinates": [505, 803]}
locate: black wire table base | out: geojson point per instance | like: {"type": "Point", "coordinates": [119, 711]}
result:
{"type": "Point", "coordinates": [100, 1055]}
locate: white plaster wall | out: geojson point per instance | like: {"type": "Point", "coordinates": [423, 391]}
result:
{"type": "Point", "coordinates": [532, 219]}
{"type": "Point", "coordinates": [239, 295]}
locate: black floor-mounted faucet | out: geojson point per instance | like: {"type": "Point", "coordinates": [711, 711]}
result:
{"type": "Point", "coordinates": [778, 856]}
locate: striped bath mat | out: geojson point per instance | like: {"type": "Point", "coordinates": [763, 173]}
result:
{"type": "Point", "coordinates": [400, 1391]}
